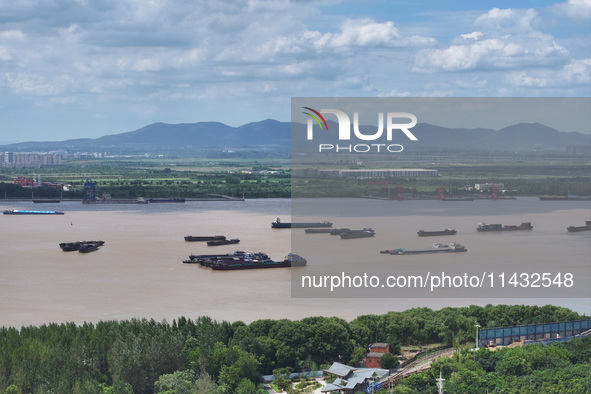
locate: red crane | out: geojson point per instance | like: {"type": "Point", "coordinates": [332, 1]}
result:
{"type": "Point", "coordinates": [442, 189]}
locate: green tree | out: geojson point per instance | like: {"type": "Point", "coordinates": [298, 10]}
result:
{"type": "Point", "coordinates": [388, 361]}
{"type": "Point", "coordinates": [179, 382]}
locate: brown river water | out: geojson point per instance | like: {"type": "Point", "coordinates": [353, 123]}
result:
{"type": "Point", "coordinates": [139, 271]}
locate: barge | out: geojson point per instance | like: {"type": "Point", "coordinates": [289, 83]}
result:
{"type": "Point", "coordinates": [500, 227]}
{"type": "Point", "coordinates": [576, 229]}
{"type": "Point", "coordinates": [166, 200]}
{"type": "Point", "coordinates": [277, 223]}
{"type": "Point", "coordinates": [453, 247]}
{"type": "Point", "coordinates": [30, 212]}
{"type": "Point", "coordinates": [204, 238]}
{"type": "Point", "coordinates": [219, 242]}
{"type": "Point", "coordinates": [447, 231]}
{"type": "Point", "coordinates": [365, 233]}
{"type": "Point", "coordinates": [291, 260]}
{"type": "Point", "coordinates": [74, 246]}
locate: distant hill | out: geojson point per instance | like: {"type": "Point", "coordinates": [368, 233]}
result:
{"type": "Point", "coordinates": [163, 137]}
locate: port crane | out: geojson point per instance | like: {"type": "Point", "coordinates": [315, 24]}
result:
{"type": "Point", "coordinates": [442, 189]}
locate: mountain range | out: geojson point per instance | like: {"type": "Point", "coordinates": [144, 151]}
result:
{"type": "Point", "coordinates": [274, 135]}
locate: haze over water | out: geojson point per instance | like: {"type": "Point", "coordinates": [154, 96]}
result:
{"type": "Point", "coordinates": [139, 270]}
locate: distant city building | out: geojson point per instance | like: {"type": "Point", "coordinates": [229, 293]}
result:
{"type": "Point", "coordinates": [374, 173]}
{"type": "Point", "coordinates": [578, 150]}
{"type": "Point", "coordinates": [29, 160]}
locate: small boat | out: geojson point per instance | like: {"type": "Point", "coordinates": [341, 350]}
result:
{"type": "Point", "coordinates": [447, 231]}
{"type": "Point", "coordinates": [365, 233]}
{"type": "Point", "coordinates": [30, 212]}
{"type": "Point", "coordinates": [46, 201]}
{"type": "Point", "coordinates": [198, 238]}
{"type": "Point", "coordinates": [223, 242]}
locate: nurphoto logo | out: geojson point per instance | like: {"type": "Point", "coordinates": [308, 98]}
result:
{"type": "Point", "coordinates": [344, 132]}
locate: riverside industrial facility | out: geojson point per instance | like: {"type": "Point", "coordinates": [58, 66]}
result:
{"type": "Point", "coordinates": [374, 173]}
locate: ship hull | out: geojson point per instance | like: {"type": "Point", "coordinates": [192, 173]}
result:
{"type": "Point", "coordinates": [191, 238]}
{"type": "Point", "coordinates": [29, 212]}
{"type": "Point", "coordinates": [422, 233]}
{"type": "Point", "coordinates": [423, 251]}
{"type": "Point", "coordinates": [222, 242]}
{"type": "Point", "coordinates": [576, 229]}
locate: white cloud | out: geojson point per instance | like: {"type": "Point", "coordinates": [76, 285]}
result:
{"type": "Point", "coordinates": [578, 71]}
{"type": "Point", "coordinates": [368, 33]}
{"type": "Point", "coordinates": [475, 35]}
{"type": "Point", "coordinates": [576, 9]}
{"type": "Point", "coordinates": [507, 41]}
{"type": "Point", "coordinates": [515, 19]}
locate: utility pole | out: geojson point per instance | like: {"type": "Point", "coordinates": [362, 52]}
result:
{"type": "Point", "coordinates": [440, 383]}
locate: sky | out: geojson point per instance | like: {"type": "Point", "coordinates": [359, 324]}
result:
{"type": "Point", "coordinates": [88, 68]}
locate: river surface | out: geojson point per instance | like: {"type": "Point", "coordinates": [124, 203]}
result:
{"type": "Point", "coordinates": [139, 271]}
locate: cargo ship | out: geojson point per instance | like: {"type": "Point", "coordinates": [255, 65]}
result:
{"type": "Point", "coordinates": [291, 260]}
{"type": "Point", "coordinates": [277, 223]}
{"type": "Point", "coordinates": [30, 212]}
{"type": "Point", "coordinates": [447, 231]}
{"type": "Point", "coordinates": [500, 227]}
{"type": "Point", "coordinates": [365, 233]}
{"type": "Point", "coordinates": [204, 238]}
{"type": "Point", "coordinates": [453, 247]}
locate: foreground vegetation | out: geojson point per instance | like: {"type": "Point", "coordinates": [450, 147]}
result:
{"type": "Point", "coordinates": [206, 356]}
{"type": "Point", "coordinates": [561, 368]}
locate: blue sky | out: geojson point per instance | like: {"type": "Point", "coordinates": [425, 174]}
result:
{"type": "Point", "coordinates": [87, 68]}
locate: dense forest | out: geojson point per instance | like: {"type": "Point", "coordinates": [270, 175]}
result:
{"type": "Point", "coordinates": [206, 356]}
